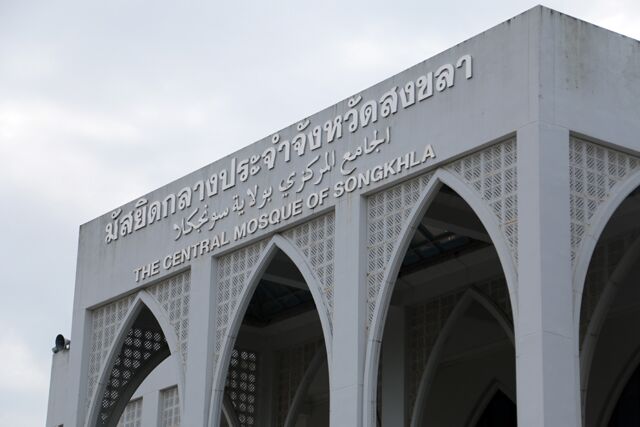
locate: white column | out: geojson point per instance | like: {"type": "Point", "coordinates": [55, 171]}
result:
{"type": "Point", "coordinates": [347, 364]}
{"type": "Point", "coordinates": [547, 366]}
{"type": "Point", "coordinates": [76, 407]}
{"type": "Point", "coordinates": [199, 372]}
{"type": "Point", "coordinates": [393, 369]}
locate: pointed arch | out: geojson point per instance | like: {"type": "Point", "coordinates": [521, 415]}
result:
{"type": "Point", "coordinates": [276, 243]}
{"type": "Point", "coordinates": [142, 300]}
{"type": "Point", "coordinates": [471, 295]}
{"type": "Point", "coordinates": [486, 398]}
{"type": "Point", "coordinates": [601, 311]}
{"type": "Point", "coordinates": [590, 239]}
{"type": "Point", "coordinates": [440, 178]}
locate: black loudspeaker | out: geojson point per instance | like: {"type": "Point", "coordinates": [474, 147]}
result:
{"type": "Point", "coordinates": [61, 344]}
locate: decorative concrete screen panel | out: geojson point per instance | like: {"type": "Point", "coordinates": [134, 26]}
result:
{"type": "Point", "coordinates": [233, 276]}
{"type": "Point", "coordinates": [169, 408]}
{"type": "Point", "coordinates": [105, 324]}
{"type": "Point", "coordinates": [315, 239]}
{"type": "Point", "coordinates": [242, 386]}
{"type": "Point", "coordinates": [387, 212]}
{"type": "Point", "coordinates": [493, 174]}
{"type": "Point", "coordinates": [173, 295]}
{"type": "Point", "coordinates": [595, 172]}
{"type": "Point", "coordinates": [132, 415]}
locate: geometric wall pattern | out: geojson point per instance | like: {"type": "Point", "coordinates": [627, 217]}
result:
{"type": "Point", "coordinates": [141, 351]}
{"type": "Point", "coordinates": [387, 214]}
{"type": "Point", "coordinates": [173, 295]}
{"type": "Point", "coordinates": [291, 365]}
{"type": "Point", "coordinates": [493, 174]}
{"type": "Point", "coordinates": [242, 386]}
{"type": "Point", "coordinates": [169, 408]}
{"type": "Point", "coordinates": [233, 278]}
{"type": "Point", "coordinates": [594, 172]}
{"type": "Point", "coordinates": [315, 240]}
{"type": "Point", "coordinates": [132, 415]}
{"type": "Point", "coordinates": [105, 322]}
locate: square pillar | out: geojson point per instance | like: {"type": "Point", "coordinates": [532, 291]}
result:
{"type": "Point", "coordinates": [348, 351]}
{"type": "Point", "coordinates": [546, 362]}
{"type": "Point", "coordinates": [199, 368]}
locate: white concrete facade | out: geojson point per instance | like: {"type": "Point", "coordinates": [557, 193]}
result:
{"type": "Point", "coordinates": [533, 125]}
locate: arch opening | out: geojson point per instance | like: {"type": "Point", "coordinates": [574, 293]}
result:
{"type": "Point", "coordinates": [277, 374]}
{"type": "Point", "coordinates": [448, 329]}
{"type": "Point", "coordinates": [609, 316]}
{"type": "Point", "coordinates": [500, 411]}
{"type": "Point", "coordinates": [143, 350]}
{"type": "Point", "coordinates": [627, 409]}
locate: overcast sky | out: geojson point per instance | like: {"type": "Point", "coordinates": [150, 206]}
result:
{"type": "Point", "coordinates": [101, 102]}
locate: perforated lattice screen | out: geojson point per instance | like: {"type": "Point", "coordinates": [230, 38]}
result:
{"type": "Point", "coordinates": [493, 174]}
{"type": "Point", "coordinates": [169, 408]}
{"type": "Point", "coordinates": [242, 385]}
{"type": "Point", "coordinates": [291, 365]}
{"type": "Point", "coordinates": [387, 213]}
{"type": "Point", "coordinates": [105, 323]}
{"type": "Point", "coordinates": [233, 279]}
{"type": "Point", "coordinates": [132, 415]}
{"type": "Point", "coordinates": [315, 239]}
{"type": "Point", "coordinates": [595, 171]}
{"type": "Point", "coordinates": [140, 348]}
{"type": "Point", "coordinates": [173, 295]}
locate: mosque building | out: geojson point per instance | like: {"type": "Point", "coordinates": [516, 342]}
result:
{"type": "Point", "coordinates": [457, 245]}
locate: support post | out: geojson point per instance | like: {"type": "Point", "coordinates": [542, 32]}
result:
{"type": "Point", "coordinates": [347, 362]}
{"type": "Point", "coordinates": [546, 363]}
{"type": "Point", "coordinates": [199, 368]}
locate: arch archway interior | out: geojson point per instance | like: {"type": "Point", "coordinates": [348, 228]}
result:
{"type": "Point", "coordinates": [622, 229]}
{"type": "Point", "coordinates": [143, 348]}
{"type": "Point", "coordinates": [281, 294]}
{"type": "Point", "coordinates": [627, 409]}
{"type": "Point", "coordinates": [609, 315]}
{"type": "Point", "coordinates": [500, 411]}
{"type": "Point", "coordinates": [279, 337]}
{"type": "Point", "coordinates": [476, 354]}
{"type": "Point", "coordinates": [449, 253]}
